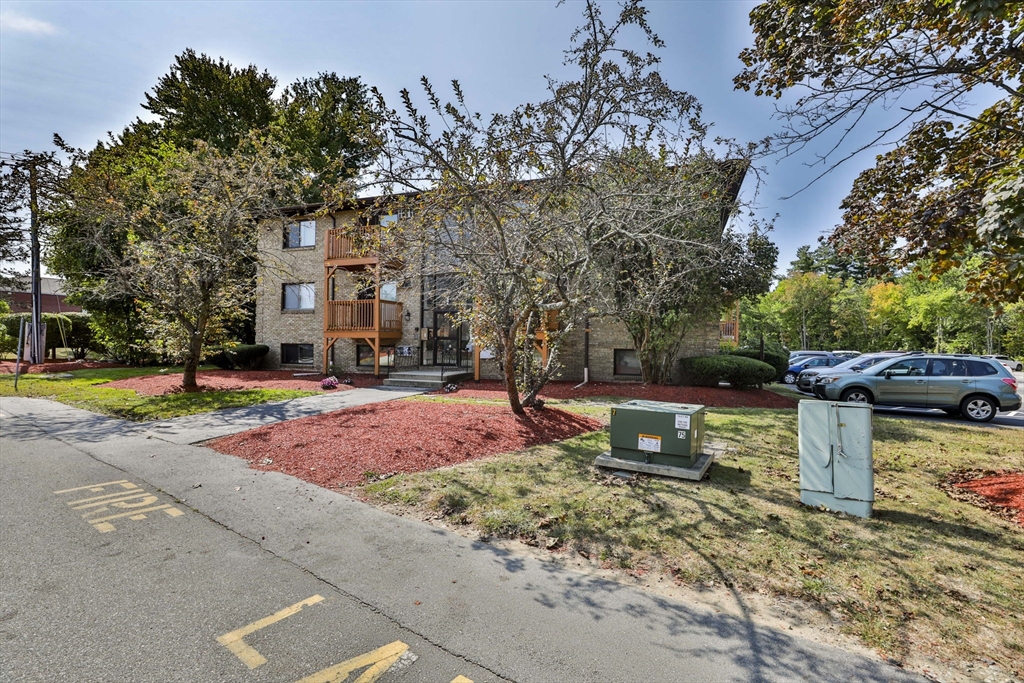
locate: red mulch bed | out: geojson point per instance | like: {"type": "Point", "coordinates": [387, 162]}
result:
{"type": "Point", "coordinates": [234, 380]}
{"type": "Point", "coordinates": [711, 397]}
{"type": "Point", "coordinates": [7, 366]}
{"type": "Point", "coordinates": [339, 448]}
{"type": "Point", "coordinates": [1002, 491]}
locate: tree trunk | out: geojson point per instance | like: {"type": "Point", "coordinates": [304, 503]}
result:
{"type": "Point", "coordinates": [195, 350]}
{"type": "Point", "coordinates": [510, 379]}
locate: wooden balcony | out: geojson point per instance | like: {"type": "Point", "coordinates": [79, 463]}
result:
{"type": "Point", "coordinates": [352, 247]}
{"type": "Point", "coordinates": [363, 319]}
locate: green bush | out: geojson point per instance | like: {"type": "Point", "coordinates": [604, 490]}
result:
{"type": "Point", "coordinates": [240, 357]}
{"type": "Point", "coordinates": [80, 337]}
{"type": "Point", "coordinates": [739, 372]}
{"type": "Point", "coordinates": [776, 360]}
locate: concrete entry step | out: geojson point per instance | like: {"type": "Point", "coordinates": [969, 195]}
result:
{"type": "Point", "coordinates": [431, 378]}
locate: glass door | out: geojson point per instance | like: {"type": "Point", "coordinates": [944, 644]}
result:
{"type": "Point", "coordinates": [448, 342]}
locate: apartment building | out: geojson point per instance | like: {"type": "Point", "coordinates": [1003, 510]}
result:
{"type": "Point", "coordinates": [321, 306]}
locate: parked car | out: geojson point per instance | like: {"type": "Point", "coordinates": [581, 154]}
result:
{"type": "Point", "coordinates": [806, 379]}
{"type": "Point", "coordinates": [793, 355]}
{"type": "Point", "coordinates": [847, 354]}
{"type": "Point", "coordinates": [802, 364]}
{"type": "Point", "coordinates": [1013, 364]}
{"type": "Point", "coordinates": [971, 386]}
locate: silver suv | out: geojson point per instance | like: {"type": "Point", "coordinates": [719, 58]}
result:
{"type": "Point", "coordinates": [976, 388]}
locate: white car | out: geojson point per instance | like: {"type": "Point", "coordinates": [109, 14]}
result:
{"type": "Point", "coordinates": [1007, 362]}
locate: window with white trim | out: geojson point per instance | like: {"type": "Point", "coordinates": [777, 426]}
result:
{"type": "Point", "coordinates": [300, 234]}
{"type": "Point", "coordinates": [297, 297]}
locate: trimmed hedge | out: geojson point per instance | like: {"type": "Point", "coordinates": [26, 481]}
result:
{"type": "Point", "coordinates": [776, 360]}
{"type": "Point", "coordinates": [240, 357]}
{"type": "Point", "coordinates": [739, 372]}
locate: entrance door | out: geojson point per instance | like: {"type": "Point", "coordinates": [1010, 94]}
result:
{"type": "Point", "coordinates": [448, 341]}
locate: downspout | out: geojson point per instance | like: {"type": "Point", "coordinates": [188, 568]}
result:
{"type": "Point", "coordinates": [586, 352]}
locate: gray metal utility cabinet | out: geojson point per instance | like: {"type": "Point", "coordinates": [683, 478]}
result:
{"type": "Point", "coordinates": [657, 438]}
{"type": "Point", "coordinates": [835, 456]}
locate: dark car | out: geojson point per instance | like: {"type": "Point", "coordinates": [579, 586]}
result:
{"type": "Point", "coordinates": [813, 362]}
{"type": "Point", "coordinates": [806, 379]}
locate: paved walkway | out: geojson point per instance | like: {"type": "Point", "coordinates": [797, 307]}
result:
{"type": "Point", "coordinates": [516, 618]}
{"type": "Point", "coordinates": [206, 426]}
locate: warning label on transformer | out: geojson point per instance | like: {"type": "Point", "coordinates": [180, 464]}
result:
{"type": "Point", "coordinates": [649, 442]}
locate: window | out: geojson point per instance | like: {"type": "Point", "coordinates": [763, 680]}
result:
{"type": "Point", "coordinates": [904, 368]}
{"type": "Point", "coordinates": [364, 355]}
{"type": "Point", "coordinates": [297, 354]}
{"type": "Point", "coordinates": [389, 291]}
{"type": "Point", "coordinates": [300, 234]}
{"type": "Point", "coordinates": [945, 367]}
{"type": "Point", "coordinates": [297, 297]}
{"type": "Point", "coordinates": [980, 368]}
{"type": "Point", "coordinates": [626, 363]}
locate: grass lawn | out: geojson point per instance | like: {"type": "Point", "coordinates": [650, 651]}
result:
{"type": "Point", "coordinates": [81, 391]}
{"type": "Point", "coordinates": [926, 576]}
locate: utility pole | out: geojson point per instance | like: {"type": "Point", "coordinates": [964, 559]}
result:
{"type": "Point", "coordinates": [37, 348]}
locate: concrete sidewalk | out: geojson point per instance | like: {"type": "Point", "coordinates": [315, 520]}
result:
{"type": "Point", "coordinates": [206, 426]}
{"type": "Point", "coordinates": [519, 618]}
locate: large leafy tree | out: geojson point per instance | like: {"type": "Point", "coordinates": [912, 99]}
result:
{"type": "Point", "coordinates": [521, 207]}
{"type": "Point", "coordinates": [846, 60]}
{"type": "Point", "coordinates": [177, 235]}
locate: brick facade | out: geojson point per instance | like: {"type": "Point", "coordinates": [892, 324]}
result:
{"type": "Point", "coordinates": [275, 326]}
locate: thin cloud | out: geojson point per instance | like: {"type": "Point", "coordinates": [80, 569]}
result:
{"type": "Point", "coordinates": [22, 24]}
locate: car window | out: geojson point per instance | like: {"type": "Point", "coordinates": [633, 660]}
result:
{"type": "Point", "coordinates": [834, 361]}
{"type": "Point", "coordinates": [948, 367]}
{"type": "Point", "coordinates": [816, 362]}
{"type": "Point", "coordinates": [909, 367]}
{"type": "Point", "coordinates": [980, 368]}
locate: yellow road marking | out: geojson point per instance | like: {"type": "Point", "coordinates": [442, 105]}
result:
{"type": "Point", "coordinates": [115, 501]}
{"type": "Point", "coordinates": [94, 487]}
{"type": "Point", "coordinates": [461, 679]}
{"type": "Point", "coordinates": [379, 661]}
{"type": "Point", "coordinates": [233, 640]}
{"type": "Point", "coordinates": [104, 527]}
{"type": "Point", "coordinates": [129, 513]}
{"type": "Point", "coordinates": [137, 517]}
{"type": "Point", "coordinates": [108, 495]}
{"type": "Point", "coordinates": [174, 512]}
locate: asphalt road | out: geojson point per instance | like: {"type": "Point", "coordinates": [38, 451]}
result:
{"type": "Point", "coordinates": [131, 558]}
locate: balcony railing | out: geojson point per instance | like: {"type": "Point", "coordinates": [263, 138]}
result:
{"type": "Point", "coordinates": [727, 330]}
{"type": "Point", "coordinates": [352, 242]}
{"type": "Point", "coordinates": [364, 315]}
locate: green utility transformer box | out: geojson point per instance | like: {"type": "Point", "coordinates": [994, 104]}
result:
{"type": "Point", "coordinates": [658, 433]}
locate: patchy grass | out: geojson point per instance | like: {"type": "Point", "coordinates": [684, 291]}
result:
{"type": "Point", "coordinates": [81, 391]}
{"type": "Point", "coordinates": [926, 576]}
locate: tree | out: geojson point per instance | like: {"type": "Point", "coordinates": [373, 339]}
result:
{"type": "Point", "coordinates": [325, 122]}
{"type": "Point", "coordinates": [320, 124]}
{"type": "Point", "coordinates": [210, 100]}
{"type": "Point", "coordinates": [666, 263]}
{"type": "Point", "coordinates": [513, 207]}
{"type": "Point", "coordinates": [850, 58]}
{"type": "Point", "coordinates": [185, 236]}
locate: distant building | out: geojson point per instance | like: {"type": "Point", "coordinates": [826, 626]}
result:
{"type": "Point", "coordinates": [53, 297]}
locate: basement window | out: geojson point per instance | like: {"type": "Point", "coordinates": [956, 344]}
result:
{"type": "Point", "coordinates": [297, 354]}
{"type": "Point", "coordinates": [626, 363]}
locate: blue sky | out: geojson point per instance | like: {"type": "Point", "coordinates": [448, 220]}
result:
{"type": "Point", "coordinates": [80, 68]}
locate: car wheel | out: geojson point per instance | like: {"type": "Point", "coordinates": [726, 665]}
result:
{"type": "Point", "coordinates": [789, 378]}
{"type": "Point", "coordinates": [978, 408]}
{"type": "Point", "coordinates": [856, 395]}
